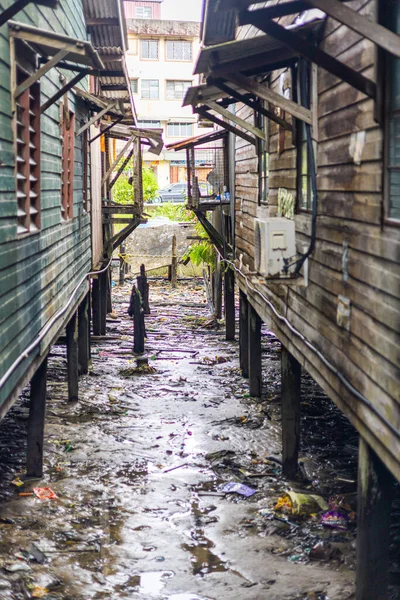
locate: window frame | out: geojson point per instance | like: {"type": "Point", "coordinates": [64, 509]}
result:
{"type": "Point", "coordinates": [143, 8]}
{"type": "Point", "coordinates": [149, 97]}
{"type": "Point", "coordinates": [67, 155]}
{"type": "Point", "coordinates": [177, 81]}
{"type": "Point", "coordinates": [179, 135]}
{"type": "Point", "coordinates": [173, 59]}
{"type": "Point", "coordinates": [148, 40]}
{"type": "Point", "coordinates": [26, 134]}
{"type": "Point", "coordinates": [134, 82]}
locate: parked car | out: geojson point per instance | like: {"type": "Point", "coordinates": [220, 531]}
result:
{"type": "Point", "coordinates": [177, 192]}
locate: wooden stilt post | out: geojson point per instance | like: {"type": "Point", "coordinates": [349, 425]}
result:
{"type": "Point", "coordinates": [122, 265]}
{"type": "Point", "coordinates": [174, 264]}
{"type": "Point", "coordinates": [229, 298]}
{"type": "Point", "coordinates": [136, 311]}
{"type": "Point", "coordinates": [83, 336]}
{"type": "Point", "coordinates": [244, 334]}
{"type": "Point", "coordinates": [290, 409]}
{"type": "Point", "coordinates": [96, 310]}
{"type": "Point", "coordinates": [109, 290]}
{"type": "Point", "coordinates": [255, 371]}
{"type": "Point", "coordinates": [217, 289]}
{"type": "Point", "coordinates": [143, 288]}
{"type": "Point", "coordinates": [375, 489]}
{"type": "Point", "coordinates": [72, 359]}
{"type": "Point", "coordinates": [37, 412]}
{"type": "Point", "coordinates": [103, 302]}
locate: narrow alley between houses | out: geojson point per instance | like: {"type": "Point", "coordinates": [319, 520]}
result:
{"type": "Point", "coordinates": [139, 469]}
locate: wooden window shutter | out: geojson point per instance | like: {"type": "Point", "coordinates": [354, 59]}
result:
{"type": "Point", "coordinates": [67, 165]}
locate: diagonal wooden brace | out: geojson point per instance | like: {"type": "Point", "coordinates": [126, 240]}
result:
{"type": "Point", "coordinates": [53, 62]}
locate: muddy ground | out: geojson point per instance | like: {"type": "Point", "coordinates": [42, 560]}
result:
{"type": "Point", "coordinates": [139, 463]}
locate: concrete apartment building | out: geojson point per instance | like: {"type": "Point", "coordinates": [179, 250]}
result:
{"type": "Point", "coordinates": [161, 60]}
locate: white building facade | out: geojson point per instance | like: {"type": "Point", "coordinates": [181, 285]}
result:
{"type": "Point", "coordinates": [161, 60]}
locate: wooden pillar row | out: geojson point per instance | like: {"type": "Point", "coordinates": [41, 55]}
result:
{"type": "Point", "coordinates": [36, 421]}
{"type": "Point", "coordinates": [84, 336]}
{"type": "Point", "coordinates": [72, 359]}
{"type": "Point", "coordinates": [375, 493]}
{"type": "Point", "coordinates": [254, 338]}
{"type": "Point", "coordinates": [217, 288]}
{"type": "Point", "coordinates": [244, 334]}
{"type": "Point", "coordinates": [229, 298]}
{"type": "Point", "coordinates": [290, 410]}
{"type": "Point", "coordinates": [96, 309]}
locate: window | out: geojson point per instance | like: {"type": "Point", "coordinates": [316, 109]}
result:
{"type": "Point", "coordinates": [180, 129]}
{"type": "Point", "coordinates": [134, 86]}
{"type": "Point", "coordinates": [150, 89]}
{"type": "Point", "coordinates": [67, 165]}
{"type": "Point", "coordinates": [143, 12]}
{"type": "Point", "coordinates": [392, 122]}
{"type": "Point", "coordinates": [176, 90]}
{"type": "Point", "coordinates": [263, 158]}
{"type": "Point", "coordinates": [178, 50]}
{"type": "Point", "coordinates": [149, 124]}
{"type": "Point", "coordinates": [27, 145]}
{"type": "Point", "coordinates": [149, 49]}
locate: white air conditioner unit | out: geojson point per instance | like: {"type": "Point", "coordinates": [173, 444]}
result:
{"type": "Point", "coordinates": [274, 240]}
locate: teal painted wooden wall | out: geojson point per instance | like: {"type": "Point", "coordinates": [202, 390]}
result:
{"type": "Point", "coordinates": [39, 271]}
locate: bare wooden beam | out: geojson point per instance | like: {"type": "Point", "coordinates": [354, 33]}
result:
{"type": "Point", "coordinates": [120, 170]}
{"type": "Point", "coordinates": [381, 36]}
{"type": "Point", "coordinates": [95, 118]}
{"type": "Point", "coordinates": [290, 410]}
{"type": "Point", "coordinates": [70, 84]}
{"type": "Point", "coordinates": [37, 412]}
{"type": "Point", "coordinates": [106, 129]}
{"type": "Point", "coordinates": [116, 161]}
{"type": "Point", "coordinates": [269, 95]}
{"type": "Point", "coordinates": [244, 334]}
{"type": "Point", "coordinates": [309, 51]}
{"type": "Point", "coordinates": [40, 72]}
{"type": "Point", "coordinates": [232, 117]}
{"type": "Point", "coordinates": [205, 113]}
{"type": "Point", "coordinates": [110, 21]}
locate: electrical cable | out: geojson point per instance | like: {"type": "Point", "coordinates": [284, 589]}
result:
{"type": "Point", "coordinates": [315, 350]}
{"type": "Point", "coordinates": [48, 326]}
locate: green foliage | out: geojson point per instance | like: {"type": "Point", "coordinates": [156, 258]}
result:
{"type": "Point", "coordinates": [201, 252]}
{"type": "Point", "coordinates": [175, 212]}
{"type": "Point", "coordinates": [123, 191]}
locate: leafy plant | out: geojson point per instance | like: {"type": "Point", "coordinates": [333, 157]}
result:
{"type": "Point", "coordinates": [201, 251]}
{"type": "Point", "coordinates": [123, 191]}
{"type": "Point", "coordinates": [175, 212]}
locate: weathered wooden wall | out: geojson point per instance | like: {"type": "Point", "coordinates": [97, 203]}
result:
{"type": "Point", "coordinates": [39, 271]}
{"type": "Point", "coordinates": [349, 214]}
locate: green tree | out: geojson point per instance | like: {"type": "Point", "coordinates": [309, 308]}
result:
{"type": "Point", "coordinates": [123, 191]}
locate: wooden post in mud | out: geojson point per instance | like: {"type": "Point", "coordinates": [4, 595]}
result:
{"type": "Point", "coordinates": [290, 410]}
{"type": "Point", "coordinates": [122, 265]}
{"type": "Point", "coordinates": [37, 413]}
{"type": "Point", "coordinates": [174, 264]}
{"type": "Point", "coordinates": [229, 299]}
{"type": "Point", "coordinates": [255, 370]}
{"type": "Point", "coordinates": [136, 311]}
{"type": "Point", "coordinates": [83, 336]}
{"type": "Point", "coordinates": [72, 358]}
{"type": "Point", "coordinates": [375, 493]}
{"type": "Point", "coordinates": [96, 321]}
{"type": "Point", "coordinates": [244, 334]}
{"type": "Point", "coordinates": [217, 288]}
{"type": "Point", "coordinates": [103, 302]}
{"type": "Point", "coordinates": [143, 288]}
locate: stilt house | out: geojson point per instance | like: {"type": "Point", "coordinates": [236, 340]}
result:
{"type": "Point", "coordinates": [310, 93]}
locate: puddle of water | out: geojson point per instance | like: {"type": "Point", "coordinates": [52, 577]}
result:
{"type": "Point", "coordinates": [204, 561]}
{"type": "Point", "coordinates": [153, 582]}
{"type": "Point", "coordinates": [186, 597]}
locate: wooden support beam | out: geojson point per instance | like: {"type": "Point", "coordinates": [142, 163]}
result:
{"type": "Point", "coordinates": [53, 62]}
{"type": "Point", "coordinates": [143, 287]}
{"type": "Point", "coordinates": [95, 118]}
{"type": "Point", "coordinates": [229, 301]}
{"type": "Point", "coordinates": [136, 311]}
{"type": "Point", "coordinates": [232, 117]}
{"type": "Point", "coordinates": [252, 103]}
{"type": "Point", "coordinates": [96, 321]}
{"type": "Point", "coordinates": [103, 131]}
{"type": "Point", "coordinates": [309, 51]}
{"type": "Point", "coordinates": [215, 236]}
{"type": "Point", "coordinates": [281, 10]}
{"type": "Point", "coordinates": [381, 36]}
{"type": "Point", "coordinates": [36, 421]}
{"type": "Point", "coordinates": [290, 410]}
{"type": "Point", "coordinates": [264, 92]}
{"type": "Point", "coordinates": [69, 85]}
{"type": "Point", "coordinates": [244, 334]}
{"type": "Point", "coordinates": [255, 369]}
{"type": "Point", "coordinates": [121, 169]}
{"type": "Point", "coordinates": [83, 336]}
{"type": "Point", "coordinates": [72, 358]}
{"type": "Point", "coordinates": [103, 290]}
{"type": "Point", "coordinates": [205, 113]}
{"type": "Point", "coordinates": [174, 264]}
{"type": "Point", "coordinates": [375, 493]}
{"type": "Point", "coordinates": [217, 288]}
{"type": "Point", "coordinates": [116, 161]}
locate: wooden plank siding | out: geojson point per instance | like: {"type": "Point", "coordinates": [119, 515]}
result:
{"type": "Point", "coordinates": [350, 200]}
{"type": "Point", "coordinates": [39, 271]}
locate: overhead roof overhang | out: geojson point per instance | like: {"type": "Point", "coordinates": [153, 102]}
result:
{"type": "Point", "coordinates": [198, 140]}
